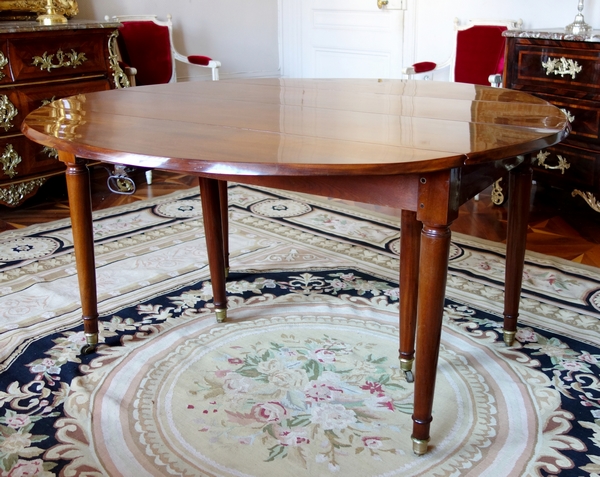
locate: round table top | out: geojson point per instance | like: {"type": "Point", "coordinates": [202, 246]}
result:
{"type": "Point", "coordinates": [299, 126]}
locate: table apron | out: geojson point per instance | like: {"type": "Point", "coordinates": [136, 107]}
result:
{"type": "Point", "coordinates": [399, 191]}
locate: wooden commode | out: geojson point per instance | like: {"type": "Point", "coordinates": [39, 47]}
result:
{"type": "Point", "coordinates": [563, 69]}
{"type": "Point", "coordinates": [37, 65]}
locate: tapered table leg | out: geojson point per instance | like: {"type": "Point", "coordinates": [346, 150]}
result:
{"type": "Point", "coordinates": [224, 223]}
{"type": "Point", "coordinates": [410, 245]}
{"type": "Point", "coordinates": [80, 205]}
{"type": "Point", "coordinates": [435, 247]}
{"type": "Point", "coordinates": [516, 240]}
{"type": "Point", "coordinates": [213, 229]}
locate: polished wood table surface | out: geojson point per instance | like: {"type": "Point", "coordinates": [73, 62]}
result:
{"type": "Point", "coordinates": [419, 146]}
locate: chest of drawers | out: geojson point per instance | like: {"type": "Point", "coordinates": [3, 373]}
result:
{"type": "Point", "coordinates": [564, 70]}
{"type": "Point", "coordinates": [39, 64]}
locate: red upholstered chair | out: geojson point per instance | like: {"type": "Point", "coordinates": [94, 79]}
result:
{"type": "Point", "coordinates": [146, 44]}
{"type": "Point", "coordinates": [478, 54]}
{"type": "Point", "coordinates": [148, 56]}
{"type": "Point", "coordinates": [478, 58]}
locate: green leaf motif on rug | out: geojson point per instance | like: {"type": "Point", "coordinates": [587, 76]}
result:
{"type": "Point", "coordinates": [297, 390]}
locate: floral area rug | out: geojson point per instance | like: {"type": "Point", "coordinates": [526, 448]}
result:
{"type": "Point", "coordinates": [303, 379]}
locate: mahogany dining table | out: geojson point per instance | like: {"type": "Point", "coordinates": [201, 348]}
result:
{"type": "Point", "coordinates": [422, 147]}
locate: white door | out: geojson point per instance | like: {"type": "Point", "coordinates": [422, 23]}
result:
{"type": "Point", "coordinates": [341, 38]}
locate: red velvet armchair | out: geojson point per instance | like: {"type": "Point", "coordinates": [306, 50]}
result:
{"type": "Point", "coordinates": [146, 44]}
{"type": "Point", "coordinates": [148, 56]}
{"type": "Point", "coordinates": [478, 54]}
{"type": "Point", "coordinates": [478, 58]}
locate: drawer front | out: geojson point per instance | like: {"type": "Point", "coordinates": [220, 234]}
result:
{"type": "Point", "coordinates": [65, 54]}
{"type": "Point", "coordinates": [17, 103]}
{"type": "Point", "coordinates": [583, 115]}
{"type": "Point", "coordinates": [568, 167]}
{"type": "Point", "coordinates": [557, 67]}
{"type": "Point", "coordinates": [20, 157]}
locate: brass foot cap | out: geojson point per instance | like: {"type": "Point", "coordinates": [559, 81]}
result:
{"type": "Point", "coordinates": [221, 314]}
{"type": "Point", "coordinates": [406, 364]}
{"type": "Point", "coordinates": [509, 337]}
{"type": "Point", "coordinates": [91, 338]}
{"type": "Point", "coordinates": [420, 446]}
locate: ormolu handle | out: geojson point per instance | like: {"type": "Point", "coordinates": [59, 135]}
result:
{"type": "Point", "coordinates": [562, 165]}
{"type": "Point", "coordinates": [381, 3]}
{"type": "Point", "coordinates": [562, 66]}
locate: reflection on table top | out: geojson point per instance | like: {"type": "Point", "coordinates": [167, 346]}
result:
{"type": "Point", "coordinates": [299, 126]}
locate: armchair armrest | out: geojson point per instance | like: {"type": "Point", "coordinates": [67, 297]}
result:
{"type": "Point", "coordinates": [424, 67]}
{"type": "Point", "coordinates": [495, 80]}
{"type": "Point", "coordinates": [129, 71]}
{"type": "Point", "coordinates": [199, 60]}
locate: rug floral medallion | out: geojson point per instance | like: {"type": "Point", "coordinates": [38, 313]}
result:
{"type": "Point", "coordinates": [303, 378]}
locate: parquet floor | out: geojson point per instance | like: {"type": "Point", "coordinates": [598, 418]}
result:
{"type": "Point", "coordinates": [559, 225]}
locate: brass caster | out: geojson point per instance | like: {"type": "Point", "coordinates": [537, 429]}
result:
{"type": "Point", "coordinates": [221, 314]}
{"type": "Point", "coordinates": [88, 349]}
{"type": "Point", "coordinates": [420, 446]}
{"type": "Point", "coordinates": [406, 367]}
{"type": "Point", "coordinates": [91, 343]}
{"type": "Point", "coordinates": [509, 337]}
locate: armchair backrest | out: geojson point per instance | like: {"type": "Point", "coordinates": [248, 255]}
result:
{"type": "Point", "coordinates": [147, 44]}
{"type": "Point", "coordinates": [480, 50]}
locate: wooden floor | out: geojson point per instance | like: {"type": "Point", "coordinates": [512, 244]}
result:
{"type": "Point", "coordinates": [559, 225]}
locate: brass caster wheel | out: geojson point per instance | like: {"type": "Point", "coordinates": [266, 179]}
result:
{"type": "Point", "coordinates": [88, 349]}
{"type": "Point", "coordinates": [406, 367]}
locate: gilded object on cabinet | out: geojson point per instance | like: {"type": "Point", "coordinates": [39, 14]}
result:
{"type": "Point", "coordinates": [119, 77]}
{"type": "Point", "coordinates": [497, 194]}
{"type": "Point", "coordinates": [568, 114]}
{"type": "Point", "coordinates": [15, 193]}
{"type": "Point", "coordinates": [562, 66]}
{"type": "Point", "coordinates": [73, 59]}
{"type": "Point", "coordinates": [589, 198]}
{"type": "Point", "coordinates": [3, 63]}
{"type": "Point", "coordinates": [7, 112]}
{"type": "Point", "coordinates": [68, 8]}
{"type": "Point", "coordinates": [10, 160]}
{"type": "Point", "coordinates": [50, 152]}
{"type": "Point", "coordinates": [562, 165]}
